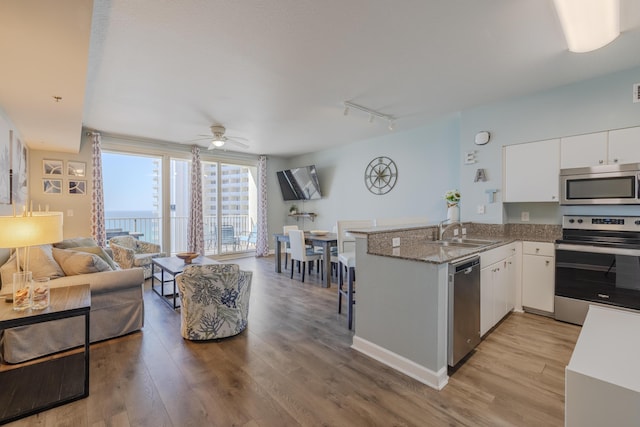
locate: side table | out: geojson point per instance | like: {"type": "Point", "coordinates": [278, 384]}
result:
{"type": "Point", "coordinates": [171, 266]}
{"type": "Point", "coordinates": [47, 382]}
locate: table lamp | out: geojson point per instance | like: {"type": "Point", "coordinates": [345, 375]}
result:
{"type": "Point", "coordinates": [29, 229]}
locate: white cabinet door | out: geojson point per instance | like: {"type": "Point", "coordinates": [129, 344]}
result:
{"type": "Point", "coordinates": [538, 282]}
{"type": "Point", "coordinates": [486, 300]}
{"type": "Point", "coordinates": [624, 145]}
{"type": "Point", "coordinates": [513, 280]}
{"type": "Point", "coordinates": [583, 150]}
{"type": "Point", "coordinates": [500, 291]}
{"type": "Point", "coordinates": [531, 171]}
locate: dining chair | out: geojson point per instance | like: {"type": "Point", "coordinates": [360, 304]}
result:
{"type": "Point", "coordinates": [287, 246]}
{"type": "Point", "coordinates": [300, 252]}
{"type": "Point", "coordinates": [347, 263]}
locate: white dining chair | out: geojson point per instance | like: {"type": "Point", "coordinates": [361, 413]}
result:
{"type": "Point", "coordinates": [347, 263]}
{"type": "Point", "coordinates": [300, 252]}
{"type": "Point", "coordinates": [287, 246]}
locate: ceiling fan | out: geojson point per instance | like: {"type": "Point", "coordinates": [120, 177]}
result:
{"type": "Point", "coordinates": [218, 139]}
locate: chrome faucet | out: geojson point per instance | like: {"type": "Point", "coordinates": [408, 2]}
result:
{"type": "Point", "coordinates": [442, 230]}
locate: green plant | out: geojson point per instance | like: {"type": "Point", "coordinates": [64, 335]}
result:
{"type": "Point", "coordinates": [293, 209]}
{"type": "Point", "coordinates": [452, 197]}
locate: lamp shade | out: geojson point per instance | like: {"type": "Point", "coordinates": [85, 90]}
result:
{"type": "Point", "coordinates": [37, 228]}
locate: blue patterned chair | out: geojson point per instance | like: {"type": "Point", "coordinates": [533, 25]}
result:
{"type": "Point", "coordinates": [130, 252]}
{"type": "Point", "coordinates": [215, 301]}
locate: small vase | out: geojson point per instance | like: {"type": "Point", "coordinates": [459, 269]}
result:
{"type": "Point", "coordinates": [453, 213]}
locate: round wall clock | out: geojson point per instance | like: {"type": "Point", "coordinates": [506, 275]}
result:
{"type": "Point", "coordinates": [381, 175]}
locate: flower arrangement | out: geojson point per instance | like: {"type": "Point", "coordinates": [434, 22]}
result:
{"type": "Point", "coordinates": [452, 197]}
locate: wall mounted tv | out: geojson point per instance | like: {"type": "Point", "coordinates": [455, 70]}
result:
{"type": "Point", "coordinates": [299, 183]}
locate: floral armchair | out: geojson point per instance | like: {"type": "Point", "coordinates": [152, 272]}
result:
{"type": "Point", "coordinates": [130, 252]}
{"type": "Point", "coordinates": [215, 300]}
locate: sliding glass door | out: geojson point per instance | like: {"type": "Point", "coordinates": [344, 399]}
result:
{"type": "Point", "coordinates": [134, 202]}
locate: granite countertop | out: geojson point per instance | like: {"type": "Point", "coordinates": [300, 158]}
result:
{"type": "Point", "coordinates": [432, 252]}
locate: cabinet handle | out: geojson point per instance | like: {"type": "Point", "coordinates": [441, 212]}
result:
{"type": "Point", "coordinates": [601, 161]}
{"type": "Point", "coordinates": [537, 249]}
{"type": "Point", "coordinates": [553, 197]}
{"type": "Point", "coordinates": [546, 262]}
{"type": "Point", "coordinates": [615, 160]}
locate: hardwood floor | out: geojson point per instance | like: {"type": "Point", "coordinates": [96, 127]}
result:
{"type": "Point", "coordinates": [293, 366]}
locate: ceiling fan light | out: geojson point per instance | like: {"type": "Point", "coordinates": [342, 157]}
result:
{"type": "Point", "coordinates": [589, 24]}
{"type": "Point", "coordinates": [218, 142]}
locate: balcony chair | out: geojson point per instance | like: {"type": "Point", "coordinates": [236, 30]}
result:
{"type": "Point", "coordinates": [249, 238]}
{"type": "Point", "coordinates": [130, 252]}
{"type": "Point", "coordinates": [228, 236]}
{"type": "Point", "coordinates": [215, 301]}
{"type": "Point", "coordinates": [300, 252]}
{"type": "Point", "coordinates": [347, 263]}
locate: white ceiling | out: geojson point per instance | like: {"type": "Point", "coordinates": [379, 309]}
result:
{"type": "Point", "coordinates": [276, 72]}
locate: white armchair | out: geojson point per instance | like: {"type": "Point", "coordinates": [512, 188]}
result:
{"type": "Point", "coordinates": [130, 252]}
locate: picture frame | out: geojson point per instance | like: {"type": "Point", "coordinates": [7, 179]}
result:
{"type": "Point", "coordinates": [52, 186]}
{"type": "Point", "coordinates": [19, 176]}
{"type": "Point", "coordinates": [77, 187]}
{"type": "Point", "coordinates": [78, 169]}
{"type": "Point", "coordinates": [5, 169]}
{"type": "Point", "coordinates": [52, 167]}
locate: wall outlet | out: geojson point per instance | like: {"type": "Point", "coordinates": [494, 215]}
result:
{"type": "Point", "coordinates": [480, 209]}
{"type": "Point", "coordinates": [524, 216]}
{"type": "Point", "coordinates": [395, 242]}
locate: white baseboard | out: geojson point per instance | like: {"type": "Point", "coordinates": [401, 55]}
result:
{"type": "Point", "coordinates": [426, 376]}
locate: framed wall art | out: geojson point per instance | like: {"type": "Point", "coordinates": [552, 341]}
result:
{"type": "Point", "coordinates": [77, 187]}
{"type": "Point", "coordinates": [19, 177]}
{"type": "Point", "coordinates": [5, 166]}
{"type": "Point", "coordinates": [52, 186]}
{"type": "Point", "coordinates": [52, 167]}
{"type": "Point", "coordinates": [76, 168]}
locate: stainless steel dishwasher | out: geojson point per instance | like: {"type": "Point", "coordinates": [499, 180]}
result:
{"type": "Point", "coordinates": [464, 308]}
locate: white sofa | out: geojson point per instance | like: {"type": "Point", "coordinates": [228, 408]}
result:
{"type": "Point", "coordinates": [117, 308]}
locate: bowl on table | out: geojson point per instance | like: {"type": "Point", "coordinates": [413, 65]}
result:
{"type": "Point", "coordinates": [319, 232]}
{"type": "Point", "coordinates": [187, 257]}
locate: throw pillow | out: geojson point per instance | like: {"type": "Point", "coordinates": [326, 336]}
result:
{"type": "Point", "coordinates": [76, 242]}
{"type": "Point", "coordinates": [97, 250]}
{"type": "Point", "coordinates": [41, 262]}
{"type": "Point", "coordinates": [6, 272]}
{"type": "Point", "coordinates": [75, 262]}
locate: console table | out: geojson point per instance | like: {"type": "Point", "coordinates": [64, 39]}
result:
{"type": "Point", "coordinates": [50, 381]}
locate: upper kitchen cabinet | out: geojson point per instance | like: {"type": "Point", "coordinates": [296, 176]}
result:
{"type": "Point", "coordinates": [618, 146]}
{"type": "Point", "coordinates": [583, 150]}
{"type": "Point", "coordinates": [531, 171]}
{"type": "Point", "coordinates": [624, 145]}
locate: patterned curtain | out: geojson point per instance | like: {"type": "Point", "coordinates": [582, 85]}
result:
{"type": "Point", "coordinates": [262, 239]}
{"type": "Point", "coordinates": [195, 229]}
{"type": "Point", "coordinates": [98, 231]}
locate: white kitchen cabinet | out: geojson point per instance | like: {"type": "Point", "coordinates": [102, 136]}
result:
{"type": "Point", "coordinates": [612, 147]}
{"type": "Point", "coordinates": [538, 276]}
{"type": "Point", "coordinates": [583, 150]}
{"type": "Point", "coordinates": [624, 145]}
{"type": "Point", "coordinates": [497, 287]}
{"type": "Point", "coordinates": [531, 171]}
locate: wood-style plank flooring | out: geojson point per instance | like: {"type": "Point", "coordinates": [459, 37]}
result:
{"type": "Point", "coordinates": [294, 366]}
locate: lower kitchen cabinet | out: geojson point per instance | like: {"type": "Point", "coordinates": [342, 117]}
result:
{"type": "Point", "coordinates": [538, 276]}
{"type": "Point", "coordinates": [498, 281]}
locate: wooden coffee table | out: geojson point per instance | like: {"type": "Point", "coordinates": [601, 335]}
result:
{"type": "Point", "coordinates": [170, 267]}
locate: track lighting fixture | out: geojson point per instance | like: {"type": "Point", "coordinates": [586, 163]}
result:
{"type": "Point", "coordinates": [372, 113]}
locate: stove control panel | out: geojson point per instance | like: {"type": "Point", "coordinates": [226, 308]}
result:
{"type": "Point", "coordinates": [582, 222]}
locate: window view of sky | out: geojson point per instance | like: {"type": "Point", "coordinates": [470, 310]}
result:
{"type": "Point", "coordinates": [128, 182]}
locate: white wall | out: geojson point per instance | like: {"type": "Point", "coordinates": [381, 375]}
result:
{"type": "Point", "coordinates": [428, 165]}
{"type": "Point", "coordinates": [590, 106]}
{"type": "Point", "coordinates": [5, 209]}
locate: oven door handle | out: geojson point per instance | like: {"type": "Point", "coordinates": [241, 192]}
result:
{"type": "Point", "coordinates": [597, 249]}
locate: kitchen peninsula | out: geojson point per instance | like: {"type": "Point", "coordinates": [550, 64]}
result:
{"type": "Point", "coordinates": [402, 293]}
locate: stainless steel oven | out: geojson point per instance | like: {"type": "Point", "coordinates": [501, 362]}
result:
{"type": "Point", "coordinates": [601, 185]}
{"type": "Point", "coordinates": [597, 262]}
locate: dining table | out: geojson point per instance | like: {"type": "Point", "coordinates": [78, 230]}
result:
{"type": "Point", "coordinates": [325, 241]}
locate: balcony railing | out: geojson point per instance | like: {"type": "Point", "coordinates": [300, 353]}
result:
{"type": "Point", "coordinates": [150, 230]}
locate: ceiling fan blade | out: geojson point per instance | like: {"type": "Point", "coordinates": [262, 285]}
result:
{"type": "Point", "coordinates": [238, 143]}
{"type": "Point", "coordinates": [200, 139]}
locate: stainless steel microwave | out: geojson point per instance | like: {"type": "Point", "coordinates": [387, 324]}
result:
{"type": "Point", "coordinates": [601, 185]}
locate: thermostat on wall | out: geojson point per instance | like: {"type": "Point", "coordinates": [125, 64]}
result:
{"type": "Point", "coordinates": [482, 137]}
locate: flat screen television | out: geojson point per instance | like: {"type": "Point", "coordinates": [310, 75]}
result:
{"type": "Point", "coordinates": [299, 183]}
